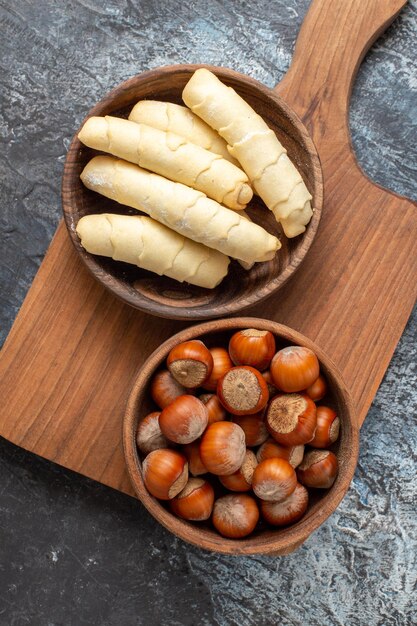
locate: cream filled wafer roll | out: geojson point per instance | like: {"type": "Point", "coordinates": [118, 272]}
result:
{"type": "Point", "coordinates": [180, 120]}
{"type": "Point", "coordinates": [255, 146]}
{"type": "Point", "coordinates": [144, 242]}
{"type": "Point", "coordinates": [185, 210]}
{"type": "Point", "coordinates": [169, 155]}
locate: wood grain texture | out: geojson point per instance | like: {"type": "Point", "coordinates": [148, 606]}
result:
{"type": "Point", "coordinates": [240, 289]}
{"type": "Point", "coordinates": [322, 503]}
{"type": "Point", "coordinates": [70, 359]}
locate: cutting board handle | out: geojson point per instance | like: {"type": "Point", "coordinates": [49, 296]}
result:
{"type": "Point", "coordinates": [331, 44]}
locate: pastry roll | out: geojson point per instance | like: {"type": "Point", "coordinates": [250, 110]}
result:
{"type": "Point", "coordinates": [144, 242]}
{"type": "Point", "coordinates": [185, 210]}
{"type": "Point", "coordinates": [180, 120]}
{"type": "Point", "coordinates": [169, 155]}
{"type": "Point", "coordinates": [255, 146]}
{"type": "Point", "coordinates": [244, 264]}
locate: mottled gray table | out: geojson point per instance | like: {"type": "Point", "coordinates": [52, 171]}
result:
{"type": "Point", "coordinates": [75, 553]}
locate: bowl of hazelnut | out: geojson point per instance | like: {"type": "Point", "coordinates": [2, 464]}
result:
{"type": "Point", "coordinates": [240, 436]}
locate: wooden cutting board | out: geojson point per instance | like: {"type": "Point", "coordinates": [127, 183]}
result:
{"type": "Point", "coordinates": [68, 363]}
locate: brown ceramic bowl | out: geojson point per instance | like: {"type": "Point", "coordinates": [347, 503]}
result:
{"type": "Point", "coordinates": [263, 540]}
{"type": "Point", "coordinates": [240, 289]}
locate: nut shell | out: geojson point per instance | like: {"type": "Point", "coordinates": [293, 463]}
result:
{"type": "Point", "coordinates": [165, 473]}
{"type": "Point", "coordinates": [274, 480]}
{"type": "Point", "coordinates": [235, 515]}
{"type": "Point", "coordinates": [221, 364]}
{"type": "Point", "coordinates": [318, 469]}
{"type": "Point", "coordinates": [266, 375]}
{"type": "Point", "coordinates": [318, 389]}
{"type": "Point", "coordinates": [252, 347]}
{"type": "Point", "coordinates": [243, 390]}
{"type": "Point", "coordinates": [164, 389]}
{"type": "Point", "coordinates": [291, 418]}
{"type": "Point", "coordinates": [272, 450]}
{"type": "Point", "coordinates": [190, 363]}
{"type": "Point", "coordinates": [184, 420]}
{"type": "Point", "coordinates": [148, 435]}
{"type": "Point", "coordinates": [241, 480]}
{"type": "Point", "coordinates": [216, 411]}
{"type": "Point", "coordinates": [294, 368]}
{"type": "Point", "coordinates": [254, 428]}
{"type": "Point", "coordinates": [288, 511]}
{"type": "Point", "coordinates": [195, 501]}
{"type": "Point", "coordinates": [327, 429]}
{"type": "Point", "coordinates": [192, 453]}
{"type": "Point", "coordinates": [223, 448]}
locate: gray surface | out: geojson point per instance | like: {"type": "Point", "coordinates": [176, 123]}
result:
{"type": "Point", "coordinates": [73, 552]}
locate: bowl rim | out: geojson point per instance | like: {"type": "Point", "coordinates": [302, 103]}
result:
{"type": "Point", "coordinates": [201, 312]}
{"type": "Point", "coordinates": [286, 539]}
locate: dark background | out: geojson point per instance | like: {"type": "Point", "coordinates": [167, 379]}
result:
{"type": "Point", "coordinates": [75, 553]}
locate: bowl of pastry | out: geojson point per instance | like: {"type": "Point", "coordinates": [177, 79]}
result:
{"type": "Point", "coordinates": [192, 192]}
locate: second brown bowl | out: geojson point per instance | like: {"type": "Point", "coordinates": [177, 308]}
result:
{"type": "Point", "coordinates": [262, 541]}
{"type": "Point", "coordinates": [240, 289]}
